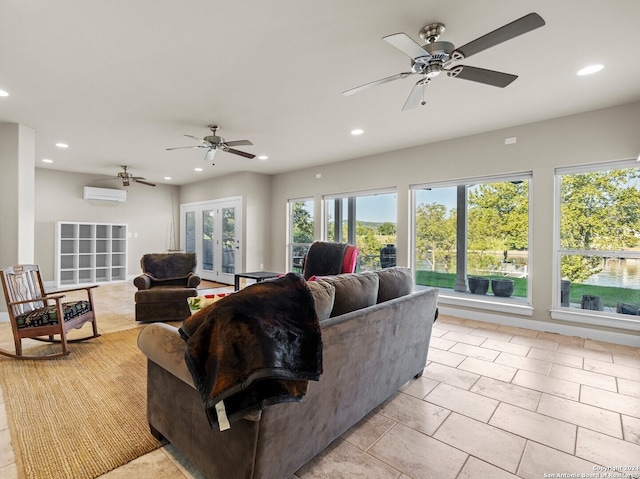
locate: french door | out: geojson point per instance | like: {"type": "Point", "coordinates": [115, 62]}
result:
{"type": "Point", "coordinates": [213, 230]}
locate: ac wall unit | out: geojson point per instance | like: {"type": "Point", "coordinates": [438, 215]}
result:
{"type": "Point", "coordinates": [104, 194]}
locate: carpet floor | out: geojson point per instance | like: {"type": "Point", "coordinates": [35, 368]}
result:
{"type": "Point", "coordinates": [79, 416]}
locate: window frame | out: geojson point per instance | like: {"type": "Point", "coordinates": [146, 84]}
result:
{"type": "Point", "coordinates": [585, 316]}
{"type": "Point", "coordinates": [290, 243]}
{"type": "Point", "coordinates": [352, 213]}
{"type": "Point", "coordinates": [511, 305]}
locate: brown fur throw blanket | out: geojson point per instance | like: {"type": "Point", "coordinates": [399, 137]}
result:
{"type": "Point", "coordinates": [324, 259]}
{"type": "Point", "coordinates": [254, 348]}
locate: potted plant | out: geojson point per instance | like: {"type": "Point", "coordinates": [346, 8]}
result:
{"type": "Point", "coordinates": [502, 287]}
{"type": "Point", "coordinates": [478, 284]}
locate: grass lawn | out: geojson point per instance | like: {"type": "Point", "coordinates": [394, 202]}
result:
{"type": "Point", "coordinates": [611, 296]}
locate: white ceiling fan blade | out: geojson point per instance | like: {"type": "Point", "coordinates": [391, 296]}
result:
{"type": "Point", "coordinates": [416, 95]}
{"type": "Point", "coordinates": [181, 147]}
{"type": "Point", "coordinates": [375, 83]}
{"type": "Point", "coordinates": [407, 45]}
{"type": "Point", "coordinates": [195, 138]}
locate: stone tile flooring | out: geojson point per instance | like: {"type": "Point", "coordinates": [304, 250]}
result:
{"type": "Point", "coordinates": [494, 402]}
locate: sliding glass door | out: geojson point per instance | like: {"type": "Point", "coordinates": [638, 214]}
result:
{"type": "Point", "coordinates": [213, 230]}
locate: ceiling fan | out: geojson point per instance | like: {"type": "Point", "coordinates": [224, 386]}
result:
{"type": "Point", "coordinates": [213, 143]}
{"type": "Point", "coordinates": [436, 57]}
{"type": "Point", "coordinates": [127, 177]}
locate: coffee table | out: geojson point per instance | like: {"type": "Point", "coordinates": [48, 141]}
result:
{"type": "Point", "coordinates": [256, 275]}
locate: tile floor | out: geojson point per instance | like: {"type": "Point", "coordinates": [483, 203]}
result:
{"type": "Point", "coordinates": [493, 402]}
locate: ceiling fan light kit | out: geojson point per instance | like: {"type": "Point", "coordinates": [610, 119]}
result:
{"type": "Point", "coordinates": [436, 57]}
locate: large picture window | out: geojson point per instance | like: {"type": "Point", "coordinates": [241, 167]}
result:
{"type": "Point", "coordinates": [598, 238]}
{"type": "Point", "coordinates": [300, 231]}
{"type": "Point", "coordinates": [472, 236]}
{"type": "Point", "coordinates": [368, 221]}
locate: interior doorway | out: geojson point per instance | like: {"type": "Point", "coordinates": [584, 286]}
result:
{"type": "Point", "coordinates": [213, 230]}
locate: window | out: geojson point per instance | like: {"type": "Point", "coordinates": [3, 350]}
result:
{"type": "Point", "coordinates": [368, 221]}
{"type": "Point", "coordinates": [473, 235]}
{"type": "Point", "coordinates": [300, 231]}
{"type": "Point", "coordinates": [598, 238]}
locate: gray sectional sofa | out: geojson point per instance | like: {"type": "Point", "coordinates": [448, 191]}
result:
{"type": "Point", "coordinates": [375, 336]}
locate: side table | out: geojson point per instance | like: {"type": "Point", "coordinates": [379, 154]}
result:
{"type": "Point", "coordinates": [257, 275]}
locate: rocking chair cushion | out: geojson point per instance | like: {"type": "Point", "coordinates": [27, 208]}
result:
{"type": "Point", "coordinates": [48, 316]}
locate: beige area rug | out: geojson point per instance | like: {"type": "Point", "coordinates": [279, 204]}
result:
{"type": "Point", "coordinates": [79, 416]}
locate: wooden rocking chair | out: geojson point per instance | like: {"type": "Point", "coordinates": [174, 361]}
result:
{"type": "Point", "coordinates": [37, 315]}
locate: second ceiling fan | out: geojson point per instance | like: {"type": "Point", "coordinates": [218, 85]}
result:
{"type": "Point", "coordinates": [436, 57]}
{"type": "Point", "coordinates": [127, 178]}
{"type": "Point", "coordinates": [213, 143]}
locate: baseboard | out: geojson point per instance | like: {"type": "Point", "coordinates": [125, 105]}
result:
{"type": "Point", "coordinates": [567, 330]}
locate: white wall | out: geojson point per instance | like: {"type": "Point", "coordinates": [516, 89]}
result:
{"type": "Point", "coordinates": [147, 212]}
{"type": "Point", "coordinates": [603, 135]}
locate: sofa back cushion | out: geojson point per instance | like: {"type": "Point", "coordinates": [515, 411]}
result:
{"type": "Point", "coordinates": [323, 294]}
{"type": "Point", "coordinates": [394, 282]}
{"type": "Point", "coordinates": [352, 291]}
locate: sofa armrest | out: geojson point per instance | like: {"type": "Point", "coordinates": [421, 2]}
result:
{"type": "Point", "coordinates": [162, 344]}
{"type": "Point", "coordinates": [142, 282]}
{"type": "Point", "coordinates": [193, 280]}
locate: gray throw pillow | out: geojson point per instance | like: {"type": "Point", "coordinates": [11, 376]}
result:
{"type": "Point", "coordinates": [394, 282]}
{"type": "Point", "coordinates": [323, 297]}
{"type": "Point", "coordinates": [353, 291]}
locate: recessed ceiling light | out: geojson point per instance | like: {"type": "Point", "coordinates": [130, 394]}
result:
{"type": "Point", "coordinates": [47, 160]}
{"type": "Point", "coordinates": [62, 145]}
{"type": "Point", "coordinates": [357, 132]}
{"type": "Point", "coordinates": [198, 169]}
{"type": "Point", "coordinates": [263, 157]}
{"type": "Point", "coordinates": [3, 93]}
{"type": "Point", "coordinates": [591, 69]}
{"type": "Point", "coordinates": [167, 177]}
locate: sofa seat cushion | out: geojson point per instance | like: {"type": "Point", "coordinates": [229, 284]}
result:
{"type": "Point", "coordinates": [353, 291]}
{"type": "Point", "coordinates": [394, 282]}
{"type": "Point", "coordinates": [165, 294]}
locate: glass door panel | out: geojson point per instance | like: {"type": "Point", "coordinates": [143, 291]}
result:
{"type": "Point", "coordinates": [212, 231]}
{"type": "Point", "coordinates": [190, 231]}
{"type": "Point", "coordinates": [228, 240]}
{"type": "Point", "coordinates": [208, 229]}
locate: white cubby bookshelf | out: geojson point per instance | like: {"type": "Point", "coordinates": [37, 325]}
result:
{"type": "Point", "coordinates": [89, 253]}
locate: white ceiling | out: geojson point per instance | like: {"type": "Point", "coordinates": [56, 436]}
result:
{"type": "Point", "coordinates": [120, 81]}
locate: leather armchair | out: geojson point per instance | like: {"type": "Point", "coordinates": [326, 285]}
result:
{"type": "Point", "coordinates": [168, 279]}
{"type": "Point", "coordinates": [326, 258]}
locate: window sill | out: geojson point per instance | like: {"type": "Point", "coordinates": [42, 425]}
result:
{"type": "Point", "coordinates": [597, 318]}
{"type": "Point", "coordinates": [515, 306]}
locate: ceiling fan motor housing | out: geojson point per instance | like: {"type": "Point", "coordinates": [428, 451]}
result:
{"type": "Point", "coordinates": [214, 140]}
{"type": "Point", "coordinates": [432, 64]}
